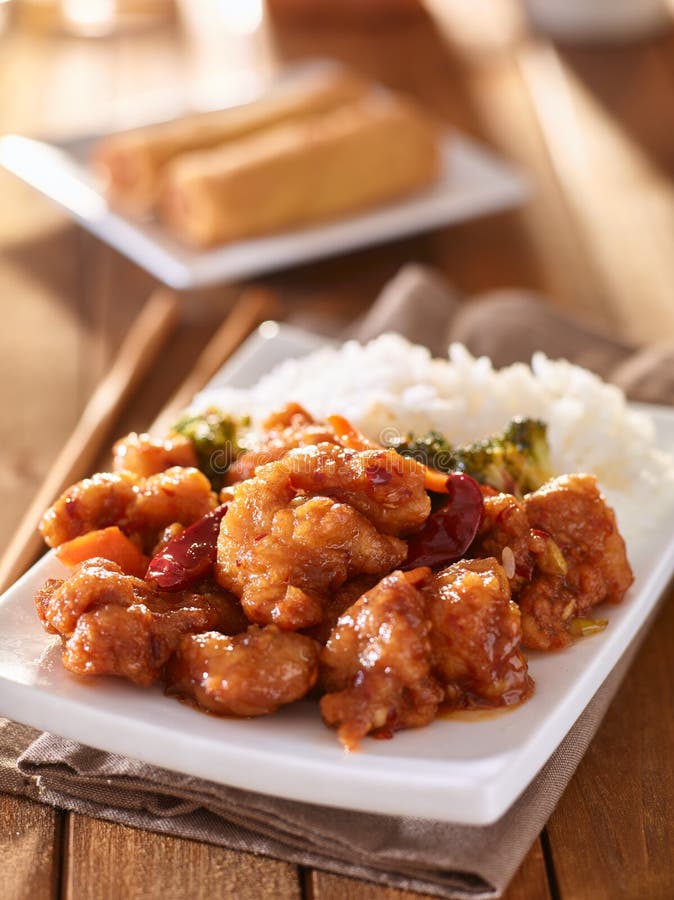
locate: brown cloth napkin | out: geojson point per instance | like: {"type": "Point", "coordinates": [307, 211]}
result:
{"type": "Point", "coordinates": [445, 860]}
{"type": "Point", "coordinates": [509, 326]}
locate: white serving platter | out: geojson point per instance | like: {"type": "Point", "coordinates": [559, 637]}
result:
{"type": "Point", "coordinates": [473, 182]}
{"type": "Point", "coordinates": [453, 770]}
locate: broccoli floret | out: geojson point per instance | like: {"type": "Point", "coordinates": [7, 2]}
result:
{"type": "Point", "coordinates": [528, 438]}
{"type": "Point", "coordinates": [431, 449]}
{"type": "Point", "coordinates": [515, 462]}
{"type": "Point", "coordinates": [484, 461]}
{"type": "Point", "coordinates": [215, 437]}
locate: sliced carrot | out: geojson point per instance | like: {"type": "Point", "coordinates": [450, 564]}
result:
{"type": "Point", "coordinates": [437, 481]}
{"type": "Point", "coordinates": [110, 543]}
{"type": "Point", "coordinates": [349, 436]}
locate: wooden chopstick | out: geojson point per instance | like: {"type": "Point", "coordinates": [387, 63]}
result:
{"type": "Point", "coordinates": [147, 336]}
{"type": "Point", "coordinates": [139, 350]}
{"type": "Point", "coordinates": [254, 306]}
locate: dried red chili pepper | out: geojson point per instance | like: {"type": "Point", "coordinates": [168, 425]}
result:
{"type": "Point", "coordinates": [450, 531]}
{"type": "Point", "coordinates": [188, 557]}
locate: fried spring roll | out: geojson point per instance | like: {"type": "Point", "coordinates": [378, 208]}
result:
{"type": "Point", "coordinates": [350, 159]}
{"type": "Point", "coordinates": [131, 163]}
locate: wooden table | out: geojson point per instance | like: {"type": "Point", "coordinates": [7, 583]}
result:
{"type": "Point", "coordinates": [593, 126]}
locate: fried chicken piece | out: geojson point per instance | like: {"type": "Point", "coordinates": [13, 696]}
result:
{"type": "Point", "coordinates": [282, 557]}
{"type": "Point", "coordinates": [136, 504]}
{"type": "Point", "coordinates": [506, 534]}
{"type": "Point", "coordinates": [231, 617]}
{"type": "Point", "coordinates": [165, 536]}
{"type": "Point", "coordinates": [282, 552]}
{"type": "Point", "coordinates": [146, 455]}
{"type": "Point", "coordinates": [251, 674]}
{"type": "Point", "coordinates": [96, 582]}
{"type": "Point", "coordinates": [505, 525]}
{"type": "Point", "coordinates": [376, 666]}
{"type": "Point", "coordinates": [133, 642]}
{"type": "Point", "coordinates": [384, 486]}
{"type": "Point", "coordinates": [475, 636]}
{"type": "Point", "coordinates": [92, 503]}
{"type": "Point", "coordinates": [176, 495]}
{"type": "Point", "coordinates": [292, 415]}
{"type": "Point", "coordinates": [115, 624]}
{"type": "Point", "coordinates": [548, 608]}
{"type": "Point", "coordinates": [291, 427]}
{"type": "Point", "coordinates": [337, 603]}
{"type": "Point", "coordinates": [572, 511]}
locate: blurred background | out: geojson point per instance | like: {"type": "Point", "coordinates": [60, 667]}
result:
{"type": "Point", "coordinates": [578, 93]}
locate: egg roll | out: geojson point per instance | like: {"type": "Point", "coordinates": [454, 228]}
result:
{"type": "Point", "coordinates": [131, 162]}
{"type": "Point", "coordinates": [351, 159]}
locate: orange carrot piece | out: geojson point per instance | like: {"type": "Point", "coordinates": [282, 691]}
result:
{"type": "Point", "coordinates": [349, 436]}
{"type": "Point", "coordinates": [110, 543]}
{"type": "Point", "coordinates": [434, 480]}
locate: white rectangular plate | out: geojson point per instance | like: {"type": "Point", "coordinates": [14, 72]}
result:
{"type": "Point", "coordinates": [473, 182]}
{"type": "Point", "coordinates": [453, 770]}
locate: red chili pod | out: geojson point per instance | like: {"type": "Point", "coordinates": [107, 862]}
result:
{"type": "Point", "coordinates": [450, 531]}
{"type": "Point", "coordinates": [190, 556]}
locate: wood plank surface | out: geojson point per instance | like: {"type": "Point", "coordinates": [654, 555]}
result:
{"type": "Point", "coordinates": [105, 861]}
{"type": "Point", "coordinates": [531, 879]}
{"type": "Point", "coordinates": [612, 834]}
{"type": "Point", "coordinates": [30, 849]}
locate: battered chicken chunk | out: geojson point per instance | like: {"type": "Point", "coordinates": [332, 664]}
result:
{"type": "Point", "coordinates": [289, 428]}
{"type": "Point", "coordinates": [136, 504]}
{"type": "Point", "coordinates": [93, 503]}
{"type": "Point", "coordinates": [475, 636]}
{"type": "Point", "coordinates": [338, 602]}
{"type": "Point", "coordinates": [252, 674]}
{"type": "Point", "coordinates": [115, 624]}
{"type": "Point", "coordinates": [165, 536]}
{"type": "Point", "coordinates": [506, 534]}
{"type": "Point", "coordinates": [231, 617]}
{"type": "Point", "coordinates": [376, 666]}
{"type": "Point", "coordinates": [572, 511]}
{"type": "Point", "coordinates": [146, 455]}
{"type": "Point", "coordinates": [176, 495]}
{"type": "Point", "coordinates": [547, 607]}
{"type": "Point", "coordinates": [384, 486]}
{"type": "Point", "coordinates": [505, 527]}
{"type": "Point", "coordinates": [283, 564]}
{"type": "Point", "coordinates": [282, 550]}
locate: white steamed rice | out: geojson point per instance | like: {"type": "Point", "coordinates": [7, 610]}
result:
{"type": "Point", "coordinates": [390, 387]}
